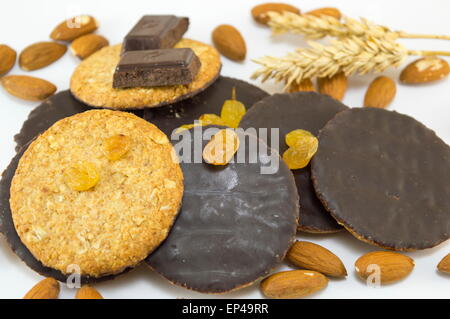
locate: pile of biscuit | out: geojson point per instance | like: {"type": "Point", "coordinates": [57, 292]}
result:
{"type": "Point", "coordinates": [96, 191]}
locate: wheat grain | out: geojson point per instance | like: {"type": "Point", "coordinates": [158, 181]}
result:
{"type": "Point", "coordinates": [350, 55]}
{"type": "Point", "coordinates": [313, 27]}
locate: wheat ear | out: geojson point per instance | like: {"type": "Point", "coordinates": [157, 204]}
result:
{"type": "Point", "coordinates": [313, 27]}
{"type": "Point", "coordinates": [350, 55]}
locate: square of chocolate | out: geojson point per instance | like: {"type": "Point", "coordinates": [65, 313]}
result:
{"type": "Point", "coordinates": [163, 67]}
{"type": "Point", "coordinates": [155, 32]}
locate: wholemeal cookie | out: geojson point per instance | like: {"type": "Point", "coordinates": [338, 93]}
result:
{"type": "Point", "coordinates": [210, 101]}
{"type": "Point", "coordinates": [9, 231]}
{"type": "Point", "coordinates": [92, 80]}
{"type": "Point", "coordinates": [288, 112]}
{"type": "Point", "coordinates": [99, 190]}
{"type": "Point", "coordinates": [237, 221]}
{"type": "Point", "coordinates": [385, 177]}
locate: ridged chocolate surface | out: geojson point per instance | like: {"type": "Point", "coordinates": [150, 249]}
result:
{"type": "Point", "coordinates": [171, 117]}
{"type": "Point", "coordinates": [9, 231]}
{"type": "Point", "coordinates": [287, 112]}
{"type": "Point", "coordinates": [235, 225]}
{"type": "Point", "coordinates": [385, 176]}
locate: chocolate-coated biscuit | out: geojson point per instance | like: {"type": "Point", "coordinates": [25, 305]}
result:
{"type": "Point", "coordinates": [287, 112]}
{"type": "Point", "coordinates": [385, 177]}
{"type": "Point", "coordinates": [235, 224]}
{"type": "Point", "coordinates": [210, 101]}
{"type": "Point", "coordinates": [55, 108]}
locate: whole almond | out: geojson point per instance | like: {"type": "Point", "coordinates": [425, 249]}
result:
{"type": "Point", "coordinates": [304, 86]}
{"type": "Point", "coordinates": [425, 70]}
{"type": "Point", "coordinates": [336, 86]}
{"type": "Point", "coordinates": [45, 289]}
{"type": "Point", "coordinates": [306, 255]}
{"type": "Point", "coordinates": [73, 28]}
{"type": "Point", "coordinates": [229, 42]}
{"type": "Point", "coordinates": [328, 11]}
{"type": "Point", "coordinates": [259, 12]}
{"type": "Point", "coordinates": [381, 93]}
{"type": "Point", "coordinates": [7, 59]}
{"type": "Point", "coordinates": [28, 87]}
{"type": "Point", "coordinates": [85, 45]}
{"type": "Point", "coordinates": [293, 284]}
{"type": "Point", "coordinates": [444, 265]}
{"type": "Point", "coordinates": [41, 54]}
{"type": "Point", "coordinates": [87, 292]}
{"type": "Point", "coordinates": [392, 266]}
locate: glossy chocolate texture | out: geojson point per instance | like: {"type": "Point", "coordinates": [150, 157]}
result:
{"type": "Point", "coordinates": [288, 112]}
{"type": "Point", "coordinates": [385, 177]}
{"type": "Point", "coordinates": [235, 224]}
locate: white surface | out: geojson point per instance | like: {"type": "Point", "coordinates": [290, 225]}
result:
{"type": "Point", "coordinates": [25, 22]}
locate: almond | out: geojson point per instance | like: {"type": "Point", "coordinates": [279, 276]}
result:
{"type": "Point", "coordinates": [28, 87]}
{"type": "Point", "coordinates": [293, 284]}
{"type": "Point", "coordinates": [73, 28]}
{"type": "Point", "coordinates": [45, 289]}
{"type": "Point", "coordinates": [336, 86]}
{"type": "Point", "coordinates": [331, 12]}
{"type": "Point", "coordinates": [425, 70]}
{"type": "Point", "coordinates": [306, 255]}
{"type": "Point", "coordinates": [7, 59]}
{"type": "Point", "coordinates": [41, 54]}
{"type": "Point", "coordinates": [444, 265]}
{"type": "Point", "coordinates": [380, 93]}
{"type": "Point", "coordinates": [259, 12]}
{"type": "Point", "coordinates": [304, 86]}
{"type": "Point", "coordinates": [229, 42]}
{"type": "Point", "coordinates": [85, 45]}
{"type": "Point", "coordinates": [87, 292]}
{"type": "Point", "coordinates": [393, 266]}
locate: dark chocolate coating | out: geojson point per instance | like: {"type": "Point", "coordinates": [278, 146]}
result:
{"type": "Point", "coordinates": [163, 67]}
{"type": "Point", "coordinates": [385, 177]}
{"type": "Point", "coordinates": [235, 224]}
{"type": "Point", "coordinates": [155, 32]}
{"type": "Point", "coordinates": [308, 111]}
{"type": "Point", "coordinates": [171, 117]}
{"type": "Point", "coordinates": [9, 231]}
{"type": "Point", "coordinates": [55, 108]}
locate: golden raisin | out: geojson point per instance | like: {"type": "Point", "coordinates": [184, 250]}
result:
{"type": "Point", "coordinates": [221, 148]}
{"type": "Point", "coordinates": [303, 146]}
{"type": "Point", "coordinates": [211, 119]}
{"type": "Point", "coordinates": [82, 176]}
{"type": "Point", "coordinates": [115, 147]}
{"type": "Point", "coordinates": [294, 136]}
{"type": "Point", "coordinates": [232, 111]}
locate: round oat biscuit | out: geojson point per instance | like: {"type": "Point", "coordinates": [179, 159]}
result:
{"type": "Point", "coordinates": [385, 177]}
{"type": "Point", "coordinates": [92, 80]}
{"type": "Point", "coordinates": [112, 226]}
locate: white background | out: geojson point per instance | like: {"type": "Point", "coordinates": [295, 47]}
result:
{"type": "Point", "coordinates": [25, 22]}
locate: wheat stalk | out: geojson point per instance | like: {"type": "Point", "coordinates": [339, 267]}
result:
{"type": "Point", "coordinates": [313, 27]}
{"type": "Point", "coordinates": [350, 55]}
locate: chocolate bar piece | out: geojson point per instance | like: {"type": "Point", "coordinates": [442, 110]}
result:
{"type": "Point", "coordinates": [155, 32]}
{"type": "Point", "coordinates": [156, 68]}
